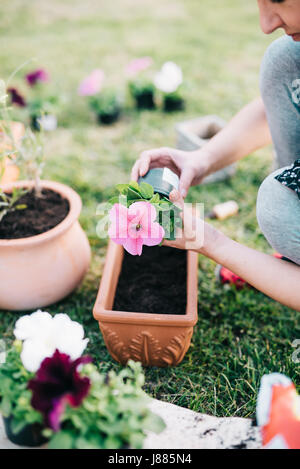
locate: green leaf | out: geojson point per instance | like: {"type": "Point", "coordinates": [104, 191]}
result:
{"type": "Point", "coordinates": [89, 443]}
{"type": "Point", "coordinates": [122, 188]}
{"type": "Point", "coordinates": [120, 199]}
{"type": "Point", "coordinates": [133, 194]}
{"type": "Point", "coordinates": [155, 199]}
{"type": "Point", "coordinates": [132, 201]}
{"type": "Point", "coordinates": [134, 185]}
{"type": "Point", "coordinates": [6, 406]}
{"type": "Point", "coordinates": [18, 426]}
{"type": "Point", "coordinates": [61, 440]}
{"type": "Point", "coordinates": [146, 190]}
{"type": "Point", "coordinates": [154, 423]}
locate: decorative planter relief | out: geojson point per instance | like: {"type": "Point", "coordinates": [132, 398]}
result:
{"type": "Point", "coordinates": [153, 339]}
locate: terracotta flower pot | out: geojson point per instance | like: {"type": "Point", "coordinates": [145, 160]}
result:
{"type": "Point", "coordinates": [11, 171]}
{"type": "Point", "coordinates": [153, 339]}
{"type": "Point", "coordinates": [40, 270]}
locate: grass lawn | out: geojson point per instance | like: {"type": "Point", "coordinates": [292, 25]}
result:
{"type": "Point", "coordinates": [240, 335]}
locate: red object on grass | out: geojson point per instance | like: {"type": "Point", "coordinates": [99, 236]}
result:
{"type": "Point", "coordinates": [226, 276]}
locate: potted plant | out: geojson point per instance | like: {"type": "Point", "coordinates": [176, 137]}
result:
{"type": "Point", "coordinates": [44, 252]}
{"type": "Point", "coordinates": [143, 93]}
{"type": "Point", "coordinates": [46, 397]}
{"type": "Point", "coordinates": [113, 415]}
{"type": "Point", "coordinates": [169, 81]}
{"type": "Point", "coordinates": [42, 112]}
{"type": "Point", "coordinates": [42, 106]}
{"type": "Point", "coordinates": [23, 425]}
{"type": "Point", "coordinates": [106, 104]}
{"type": "Point", "coordinates": [147, 304]}
{"type": "Point", "coordinates": [38, 336]}
{"type": "Point", "coordinates": [140, 85]}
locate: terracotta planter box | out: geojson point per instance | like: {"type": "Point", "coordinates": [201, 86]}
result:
{"type": "Point", "coordinates": [195, 133]}
{"type": "Point", "coordinates": [43, 269]}
{"type": "Point", "coordinates": [153, 339]}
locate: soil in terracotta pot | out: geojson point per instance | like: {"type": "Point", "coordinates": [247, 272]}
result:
{"type": "Point", "coordinates": [41, 215]}
{"type": "Point", "coordinates": [154, 282]}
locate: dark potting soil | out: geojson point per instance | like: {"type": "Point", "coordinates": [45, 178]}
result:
{"type": "Point", "coordinates": [154, 282]}
{"type": "Point", "coordinates": [40, 215]}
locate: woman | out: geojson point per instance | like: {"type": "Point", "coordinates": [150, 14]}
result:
{"type": "Point", "coordinates": [274, 117]}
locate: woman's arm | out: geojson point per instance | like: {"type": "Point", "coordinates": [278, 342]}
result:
{"type": "Point", "coordinates": [276, 278]}
{"type": "Point", "coordinates": [245, 133]}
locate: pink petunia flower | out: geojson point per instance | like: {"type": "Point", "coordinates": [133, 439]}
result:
{"type": "Point", "coordinates": [56, 384]}
{"type": "Point", "coordinates": [135, 226]}
{"type": "Point", "coordinates": [92, 84]}
{"type": "Point", "coordinates": [138, 65]}
{"type": "Point", "coordinates": [36, 76]}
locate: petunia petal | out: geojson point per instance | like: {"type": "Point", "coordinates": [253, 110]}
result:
{"type": "Point", "coordinates": [32, 324]}
{"type": "Point", "coordinates": [118, 217]}
{"type": "Point", "coordinates": [133, 246]}
{"type": "Point", "coordinates": [34, 352]}
{"type": "Point", "coordinates": [156, 236]}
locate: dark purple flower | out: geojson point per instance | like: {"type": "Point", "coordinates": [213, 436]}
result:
{"type": "Point", "coordinates": [37, 75]}
{"type": "Point", "coordinates": [16, 97]}
{"type": "Point", "coordinates": [56, 384]}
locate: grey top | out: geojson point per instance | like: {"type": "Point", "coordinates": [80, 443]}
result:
{"type": "Point", "coordinates": [280, 90]}
{"type": "Point", "coordinates": [278, 207]}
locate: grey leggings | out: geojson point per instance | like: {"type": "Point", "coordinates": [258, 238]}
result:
{"type": "Point", "coordinates": [278, 207]}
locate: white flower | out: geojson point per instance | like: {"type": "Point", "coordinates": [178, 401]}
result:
{"type": "Point", "coordinates": [169, 78]}
{"type": "Point", "coordinates": [42, 334]}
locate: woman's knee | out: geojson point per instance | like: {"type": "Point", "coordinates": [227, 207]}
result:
{"type": "Point", "coordinates": [278, 215]}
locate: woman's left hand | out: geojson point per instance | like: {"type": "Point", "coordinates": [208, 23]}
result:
{"type": "Point", "coordinates": [195, 234]}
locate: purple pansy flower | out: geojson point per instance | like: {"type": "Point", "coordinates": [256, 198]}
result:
{"type": "Point", "coordinates": [36, 76]}
{"type": "Point", "coordinates": [56, 384]}
{"type": "Point", "coordinates": [16, 97]}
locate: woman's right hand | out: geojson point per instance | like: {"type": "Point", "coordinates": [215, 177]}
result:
{"type": "Point", "coordinates": [190, 166]}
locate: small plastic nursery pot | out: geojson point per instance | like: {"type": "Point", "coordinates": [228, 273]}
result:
{"type": "Point", "coordinates": [109, 118]}
{"type": "Point", "coordinates": [31, 435]}
{"type": "Point", "coordinates": [42, 269]}
{"type": "Point", "coordinates": [153, 339]}
{"type": "Point", "coordinates": [173, 103]}
{"type": "Point", "coordinates": [145, 100]}
{"type": "Point", "coordinates": [163, 180]}
{"type": "Point", "coordinates": [48, 122]}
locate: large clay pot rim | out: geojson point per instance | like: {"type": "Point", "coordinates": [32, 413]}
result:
{"type": "Point", "coordinates": [74, 212]}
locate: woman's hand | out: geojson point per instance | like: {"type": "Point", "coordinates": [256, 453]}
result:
{"type": "Point", "coordinates": [190, 166]}
{"type": "Point", "coordinates": [195, 234]}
